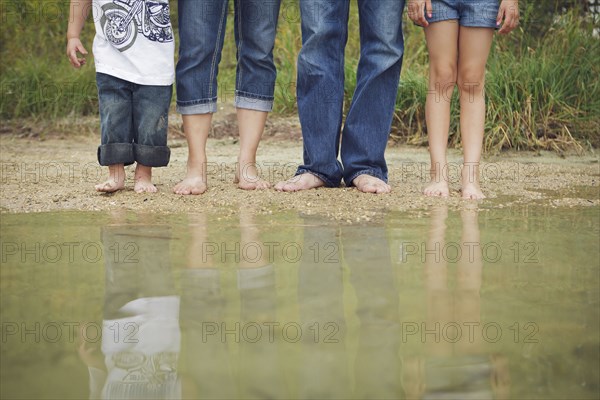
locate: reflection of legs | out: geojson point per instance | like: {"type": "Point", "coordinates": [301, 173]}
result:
{"type": "Point", "coordinates": [259, 368]}
{"type": "Point", "coordinates": [440, 308]}
{"type": "Point", "coordinates": [442, 43]}
{"type": "Point", "coordinates": [137, 265]}
{"type": "Point", "coordinates": [468, 298]}
{"type": "Point", "coordinates": [377, 365]}
{"type": "Point", "coordinates": [206, 357]}
{"type": "Point", "coordinates": [323, 366]}
{"type": "Point", "coordinates": [474, 48]}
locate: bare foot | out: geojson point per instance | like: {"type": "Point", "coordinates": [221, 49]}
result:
{"type": "Point", "coordinates": [247, 178]}
{"type": "Point", "coordinates": [143, 180]}
{"type": "Point", "coordinates": [437, 188]}
{"type": "Point", "coordinates": [191, 185]}
{"type": "Point", "coordinates": [300, 182]}
{"type": "Point", "coordinates": [472, 191]}
{"type": "Point", "coordinates": [115, 181]}
{"type": "Point", "coordinates": [370, 184]}
{"type": "Point", "coordinates": [470, 182]}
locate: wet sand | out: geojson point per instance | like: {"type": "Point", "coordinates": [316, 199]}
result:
{"type": "Point", "coordinates": [59, 172]}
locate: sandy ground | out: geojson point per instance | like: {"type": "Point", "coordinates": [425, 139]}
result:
{"type": "Point", "coordinates": [59, 172]}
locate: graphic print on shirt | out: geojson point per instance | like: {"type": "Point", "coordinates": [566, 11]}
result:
{"type": "Point", "coordinates": [123, 20]}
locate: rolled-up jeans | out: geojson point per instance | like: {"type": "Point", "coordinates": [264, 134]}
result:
{"type": "Point", "coordinates": [321, 88]}
{"type": "Point", "coordinates": [134, 120]}
{"type": "Point", "coordinates": [202, 32]}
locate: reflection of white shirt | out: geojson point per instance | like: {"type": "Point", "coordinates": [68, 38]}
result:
{"type": "Point", "coordinates": [141, 352]}
{"type": "Point", "coordinates": [134, 41]}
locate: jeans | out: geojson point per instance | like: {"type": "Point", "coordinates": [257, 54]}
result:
{"type": "Point", "coordinates": [321, 88]}
{"type": "Point", "coordinates": [134, 120]}
{"type": "Point", "coordinates": [202, 31]}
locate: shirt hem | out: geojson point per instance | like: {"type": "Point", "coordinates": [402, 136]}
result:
{"type": "Point", "coordinates": [133, 78]}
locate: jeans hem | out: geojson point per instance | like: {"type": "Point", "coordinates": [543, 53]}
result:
{"type": "Point", "coordinates": [115, 153]}
{"type": "Point", "coordinates": [252, 103]}
{"type": "Point", "coordinates": [151, 156]}
{"type": "Point", "coordinates": [197, 109]}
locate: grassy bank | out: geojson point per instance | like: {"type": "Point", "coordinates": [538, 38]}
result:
{"type": "Point", "coordinates": [542, 81]}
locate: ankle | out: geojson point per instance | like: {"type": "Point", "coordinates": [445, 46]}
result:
{"type": "Point", "coordinates": [116, 172]}
{"type": "Point", "coordinates": [439, 171]}
{"type": "Point", "coordinates": [244, 158]}
{"type": "Point", "coordinates": [470, 172]}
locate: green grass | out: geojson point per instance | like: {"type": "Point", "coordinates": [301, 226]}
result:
{"type": "Point", "coordinates": [542, 84]}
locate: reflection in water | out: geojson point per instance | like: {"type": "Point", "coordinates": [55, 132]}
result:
{"type": "Point", "coordinates": [239, 354]}
{"type": "Point", "coordinates": [293, 306]}
{"type": "Point", "coordinates": [455, 364]}
{"type": "Point", "coordinates": [140, 330]}
{"type": "Point", "coordinates": [323, 368]}
{"type": "Point", "coordinates": [377, 365]}
{"type": "Point", "coordinates": [210, 335]}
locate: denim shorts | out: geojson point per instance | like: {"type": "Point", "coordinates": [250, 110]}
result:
{"type": "Point", "coordinates": [469, 13]}
{"type": "Point", "coordinates": [134, 121]}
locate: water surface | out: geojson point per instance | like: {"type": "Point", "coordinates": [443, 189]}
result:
{"type": "Point", "coordinates": [483, 303]}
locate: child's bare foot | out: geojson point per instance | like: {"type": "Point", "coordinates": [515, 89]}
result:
{"type": "Point", "coordinates": [115, 181]}
{"type": "Point", "coordinates": [472, 191]}
{"type": "Point", "coordinates": [437, 188]}
{"type": "Point", "coordinates": [370, 184]}
{"type": "Point", "coordinates": [247, 178]}
{"type": "Point", "coordinates": [143, 180]}
{"type": "Point", "coordinates": [470, 182]}
{"type": "Point", "coordinates": [300, 182]}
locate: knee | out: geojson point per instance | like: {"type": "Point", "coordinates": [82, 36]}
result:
{"type": "Point", "coordinates": [471, 79]}
{"type": "Point", "coordinates": [443, 73]}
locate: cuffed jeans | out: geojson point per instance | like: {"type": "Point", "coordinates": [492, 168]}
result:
{"type": "Point", "coordinates": [134, 120]}
{"type": "Point", "coordinates": [202, 31]}
{"type": "Point", "coordinates": [321, 88]}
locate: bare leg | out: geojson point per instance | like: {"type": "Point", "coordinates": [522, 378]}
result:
{"type": "Point", "coordinates": [143, 180]}
{"type": "Point", "coordinates": [442, 43]}
{"type": "Point", "coordinates": [251, 125]}
{"type": "Point", "coordinates": [115, 181]}
{"type": "Point", "coordinates": [474, 49]}
{"type": "Point", "coordinates": [196, 129]}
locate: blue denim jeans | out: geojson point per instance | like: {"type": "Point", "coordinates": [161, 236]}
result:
{"type": "Point", "coordinates": [321, 88]}
{"type": "Point", "coordinates": [202, 31]}
{"type": "Point", "coordinates": [134, 121]}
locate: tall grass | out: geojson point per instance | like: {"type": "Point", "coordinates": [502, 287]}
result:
{"type": "Point", "coordinates": [542, 84]}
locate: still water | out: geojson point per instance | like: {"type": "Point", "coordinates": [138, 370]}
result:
{"type": "Point", "coordinates": [446, 304]}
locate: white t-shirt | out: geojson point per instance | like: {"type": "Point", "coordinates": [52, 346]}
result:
{"type": "Point", "coordinates": [134, 41]}
{"type": "Point", "coordinates": [141, 352]}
